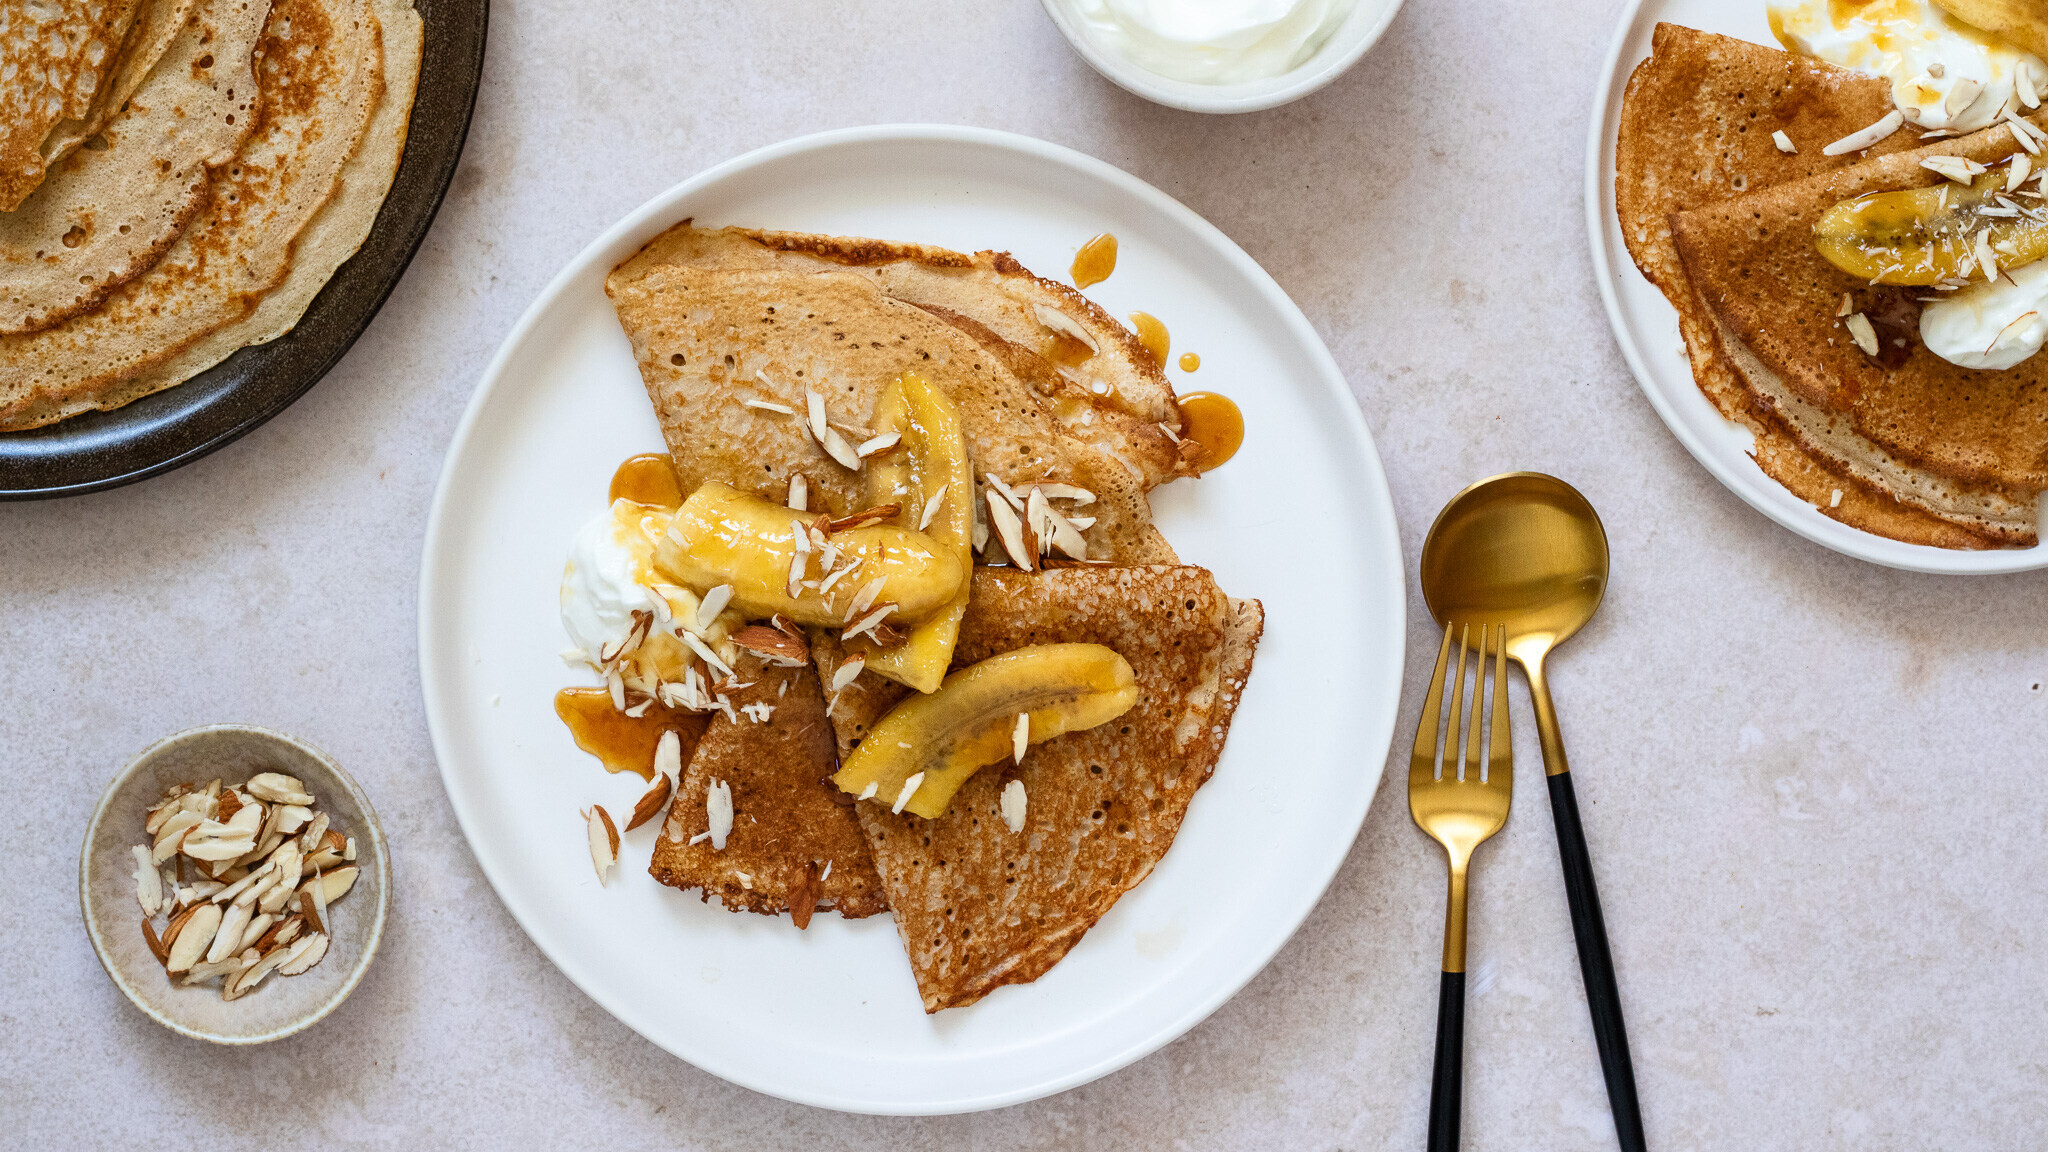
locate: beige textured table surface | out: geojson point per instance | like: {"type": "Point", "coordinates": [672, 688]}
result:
{"type": "Point", "coordinates": [1812, 786]}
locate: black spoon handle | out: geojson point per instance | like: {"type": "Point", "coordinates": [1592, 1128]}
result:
{"type": "Point", "coordinates": [1447, 1088]}
{"type": "Point", "coordinates": [1595, 964]}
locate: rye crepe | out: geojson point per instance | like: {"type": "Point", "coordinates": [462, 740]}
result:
{"type": "Point", "coordinates": [55, 59]}
{"type": "Point", "coordinates": [107, 214]}
{"type": "Point", "coordinates": [156, 25]}
{"type": "Point", "coordinates": [1695, 129]}
{"type": "Point", "coordinates": [790, 827]}
{"type": "Point", "coordinates": [979, 906]}
{"type": "Point", "coordinates": [1968, 446]}
{"type": "Point", "coordinates": [335, 232]}
{"type": "Point", "coordinates": [322, 79]}
{"type": "Point", "coordinates": [708, 341]}
{"type": "Point", "coordinates": [1114, 396]}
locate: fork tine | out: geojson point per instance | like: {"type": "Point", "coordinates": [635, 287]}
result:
{"type": "Point", "coordinates": [1424, 758]}
{"type": "Point", "coordinates": [1500, 750]}
{"type": "Point", "coordinates": [1456, 712]}
{"type": "Point", "coordinates": [1472, 729]}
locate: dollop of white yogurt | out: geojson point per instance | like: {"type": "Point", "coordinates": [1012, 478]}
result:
{"type": "Point", "coordinates": [1944, 73]}
{"type": "Point", "coordinates": [1992, 324]}
{"type": "Point", "coordinates": [1211, 41]}
{"type": "Point", "coordinates": [610, 569]}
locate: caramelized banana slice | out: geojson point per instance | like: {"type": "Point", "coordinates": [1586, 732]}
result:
{"type": "Point", "coordinates": [1927, 235]}
{"type": "Point", "coordinates": [971, 721]}
{"type": "Point", "coordinates": [929, 477]}
{"type": "Point", "coordinates": [780, 560]}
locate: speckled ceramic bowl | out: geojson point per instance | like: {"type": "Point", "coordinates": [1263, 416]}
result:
{"type": "Point", "coordinates": [280, 1006]}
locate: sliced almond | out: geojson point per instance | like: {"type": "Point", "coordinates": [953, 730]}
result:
{"type": "Point", "coordinates": [909, 790]}
{"type": "Point", "coordinates": [718, 813]}
{"type": "Point", "coordinates": [1013, 805]}
{"type": "Point", "coordinates": [232, 923]}
{"type": "Point", "coordinates": [348, 849]}
{"type": "Point", "coordinates": [931, 508]}
{"type": "Point", "coordinates": [278, 788]}
{"type": "Point", "coordinates": [1060, 322]}
{"type": "Point", "coordinates": [869, 622]}
{"type": "Point", "coordinates": [1863, 138]}
{"type": "Point", "coordinates": [149, 887]}
{"type": "Point", "coordinates": [1010, 530]}
{"type": "Point", "coordinates": [281, 932]}
{"type": "Point", "coordinates": [878, 445]}
{"type": "Point", "coordinates": [847, 671]}
{"type": "Point", "coordinates": [258, 925]}
{"type": "Point", "coordinates": [303, 955]}
{"type": "Point", "coordinates": [604, 841]}
{"type": "Point", "coordinates": [311, 911]}
{"type": "Point", "coordinates": [245, 981]}
{"type": "Point", "coordinates": [195, 932]}
{"type": "Point", "coordinates": [293, 817]}
{"type": "Point", "coordinates": [1020, 737]}
{"type": "Point", "coordinates": [172, 831]}
{"type": "Point", "coordinates": [335, 884]}
{"type": "Point", "coordinates": [799, 492]}
{"type": "Point", "coordinates": [803, 899]}
{"type": "Point", "coordinates": [773, 645]}
{"type": "Point", "coordinates": [652, 801]}
{"type": "Point", "coordinates": [156, 946]}
{"type": "Point", "coordinates": [1079, 495]}
{"type": "Point", "coordinates": [865, 517]}
{"type": "Point", "coordinates": [836, 447]}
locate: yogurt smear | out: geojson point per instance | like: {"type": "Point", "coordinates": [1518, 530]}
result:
{"type": "Point", "coordinates": [1992, 324]}
{"type": "Point", "coordinates": [1945, 74]}
{"type": "Point", "coordinates": [1211, 41]}
{"type": "Point", "coordinates": [609, 574]}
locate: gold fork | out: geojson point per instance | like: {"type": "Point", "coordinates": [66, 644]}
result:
{"type": "Point", "coordinates": [1459, 809]}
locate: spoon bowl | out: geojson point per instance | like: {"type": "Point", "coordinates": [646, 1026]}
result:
{"type": "Point", "coordinates": [1521, 549]}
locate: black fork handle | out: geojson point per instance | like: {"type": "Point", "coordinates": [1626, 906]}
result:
{"type": "Point", "coordinates": [1596, 965]}
{"type": "Point", "coordinates": [1447, 1088]}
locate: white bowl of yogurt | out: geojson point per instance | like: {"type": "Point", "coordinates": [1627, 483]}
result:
{"type": "Point", "coordinates": [1221, 55]}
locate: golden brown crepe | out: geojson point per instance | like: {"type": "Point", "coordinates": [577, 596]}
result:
{"type": "Point", "coordinates": [979, 906]}
{"type": "Point", "coordinates": [1696, 129]}
{"type": "Point", "coordinates": [106, 215]}
{"type": "Point", "coordinates": [335, 231]}
{"type": "Point", "coordinates": [322, 79]}
{"type": "Point", "coordinates": [790, 828]}
{"type": "Point", "coordinates": [1117, 400]}
{"type": "Point", "coordinates": [1969, 447]}
{"type": "Point", "coordinates": [55, 59]}
{"type": "Point", "coordinates": [709, 340]}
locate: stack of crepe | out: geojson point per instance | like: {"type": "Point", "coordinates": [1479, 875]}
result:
{"type": "Point", "coordinates": [183, 183]}
{"type": "Point", "coordinates": [1049, 388]}
{"type": "Point", "coordinates": [1903, 444]}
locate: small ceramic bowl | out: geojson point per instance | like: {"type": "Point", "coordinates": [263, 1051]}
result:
{"type": "Point", "coordinates": [1361, 29]}
{"type": "Point", "coordinates": [280, 1006]}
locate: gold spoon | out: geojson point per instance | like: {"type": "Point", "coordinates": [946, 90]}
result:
{"type": "Point", "coordinates": [1527, 551]}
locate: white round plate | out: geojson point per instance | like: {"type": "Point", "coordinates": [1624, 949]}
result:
{"type": "Point", "coordinates": [1646, 326]}
{"type": "Point", "coordinates": [1300, 519]}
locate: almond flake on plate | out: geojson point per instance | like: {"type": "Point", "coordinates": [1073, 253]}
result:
{"type": "Point", "coordinates": [604, 841]}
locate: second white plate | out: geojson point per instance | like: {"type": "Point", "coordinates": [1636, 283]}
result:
{"type": "Point", "coordinates": [1646, 326]}
{"type": "Point", "coordinates": [1300, 519]}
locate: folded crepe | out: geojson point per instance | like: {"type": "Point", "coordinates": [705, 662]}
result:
{"type": "Point", "coordinates": [1696, 129]}
{"type": "Point", "coordinates": [55, 60]}
{"type": "Point", "coordinates": [1966, 446]}
{"type": "Point", "coordinates": [711, 341]}
{"type": "Point", "coordinates": [794, 842]}
{"type": "Point", "coordinates": [105, 215]}
{"type": "Point", "coordinates": [1113, 395]}
{"type": "Point", "coordinates": [979, 906]}
{"type": "Point", "coordinates": [337, 78]}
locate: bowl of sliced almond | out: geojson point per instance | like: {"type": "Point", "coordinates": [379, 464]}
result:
{"type": "Point", "coordinates": [233, 881]}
